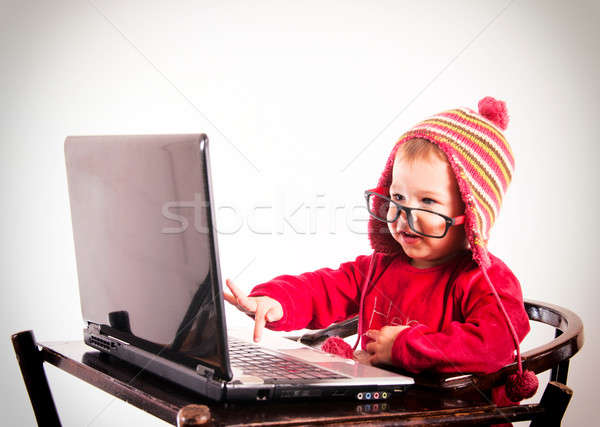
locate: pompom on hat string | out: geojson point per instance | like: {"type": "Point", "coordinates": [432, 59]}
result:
{"type": "Point", "coordinates": [483, 163]}
{"type": "Point", "coordinates": [336, 345]}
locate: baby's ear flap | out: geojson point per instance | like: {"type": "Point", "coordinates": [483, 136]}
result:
{"type": "Point", "coordinates": [381, 239]}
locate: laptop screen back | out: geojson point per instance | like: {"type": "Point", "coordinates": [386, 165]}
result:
{"type": "Point", "coordinates": [144, 243]}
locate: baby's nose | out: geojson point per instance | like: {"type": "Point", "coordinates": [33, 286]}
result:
{"type": "Point", "coordinates": [402, 218]}
{"type": "Point", "coordinates": [401, 223]}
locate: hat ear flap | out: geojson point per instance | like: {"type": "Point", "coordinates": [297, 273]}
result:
{"type": "Point", "coordinates": [379, 233]}
{"type": "Point", "coordinates": [381, 239]}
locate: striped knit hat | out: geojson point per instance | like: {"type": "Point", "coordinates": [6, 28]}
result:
{"type": "Point", "coordinates": [481, 160]}
{"type": "Point", "coordinates": [483, 164]}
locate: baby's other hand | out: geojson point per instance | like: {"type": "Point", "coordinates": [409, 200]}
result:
{"type": "Point", "coordinates": [262, 309]}
{"type": "Point", "coordinates": [381, 348]}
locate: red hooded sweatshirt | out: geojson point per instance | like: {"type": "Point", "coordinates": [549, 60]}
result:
{"type": "Point", "coordinates": [455, 322]}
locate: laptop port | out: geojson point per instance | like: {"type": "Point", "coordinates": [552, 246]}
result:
{"type": "Point", "coordinates": [263, 394]}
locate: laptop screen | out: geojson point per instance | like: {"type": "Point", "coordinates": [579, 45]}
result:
{"type": "Point", "coordinates": [144, 243]}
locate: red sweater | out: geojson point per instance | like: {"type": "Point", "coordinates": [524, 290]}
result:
{"type": "Point", "coordinates": [455, 322]}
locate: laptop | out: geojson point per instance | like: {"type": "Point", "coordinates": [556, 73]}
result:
{"type": "Point", "coordinates": [150, 283]}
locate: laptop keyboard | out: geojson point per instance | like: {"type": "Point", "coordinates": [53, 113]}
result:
{"type": "Point", "coordinates": [253, 360]}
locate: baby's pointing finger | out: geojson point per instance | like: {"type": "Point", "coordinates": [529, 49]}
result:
{"type": "Point", "coordinates": [259, 323]}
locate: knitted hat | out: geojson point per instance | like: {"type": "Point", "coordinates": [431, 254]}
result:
{"type": "Point", "coordinates": [481, 160]}
{"type": "Point", "coordinates": [483, 164]}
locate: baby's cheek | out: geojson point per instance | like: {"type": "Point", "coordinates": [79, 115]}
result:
{"type": "Point", "coordinates": [393, 231]}
{"type": "Point", "coordinates": [390, 227]}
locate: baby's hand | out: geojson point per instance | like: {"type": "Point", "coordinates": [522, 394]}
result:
{"type": "Point", "coordinates": [381, 348]}
{"type": "Point", "coordinates": [262, 309]}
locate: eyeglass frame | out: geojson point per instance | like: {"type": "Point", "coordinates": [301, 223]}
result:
{"type": "Point", "coordinates": [450, 222]}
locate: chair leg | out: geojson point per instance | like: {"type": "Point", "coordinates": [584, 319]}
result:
{"type": "Point", "coordinates": [34, 376]}
{"type": "Point", "coordinates": [559, 372]}
{"type": "Point", "coordinates": [555, 399]}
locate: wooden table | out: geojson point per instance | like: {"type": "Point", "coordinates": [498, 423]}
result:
{"type": "Point", "coordinates": [166, 400]}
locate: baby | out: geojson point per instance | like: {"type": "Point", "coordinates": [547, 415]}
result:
{"type": "Point", "coordinates": [430, 297]}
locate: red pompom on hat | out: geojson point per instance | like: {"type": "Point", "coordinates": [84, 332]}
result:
{"type": "Point", "coordinates": [494, 110]}
{"type": "Point", "coordinates": [522, 385]}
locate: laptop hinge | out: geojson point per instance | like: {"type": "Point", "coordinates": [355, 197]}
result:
{"type": "Point", "coordinates": [94, 327]}
{"type": "Point", "coordinates": [205, 372]}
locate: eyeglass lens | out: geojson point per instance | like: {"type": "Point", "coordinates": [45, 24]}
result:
{"type": "Point", "coordinates": [423, 222]}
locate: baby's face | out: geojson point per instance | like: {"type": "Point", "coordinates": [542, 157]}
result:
{"type": "Point", "coordinates": [427, 184]}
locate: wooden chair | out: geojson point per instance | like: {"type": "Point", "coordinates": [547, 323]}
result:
{"type": "Point", "coordinates": [554, 355]}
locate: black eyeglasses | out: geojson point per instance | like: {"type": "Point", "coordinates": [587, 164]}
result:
{"type": "Point", "coordinates": [421, 221]}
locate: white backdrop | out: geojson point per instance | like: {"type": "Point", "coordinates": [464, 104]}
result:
{"type": "Point", "coordinates": [302, 102]}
